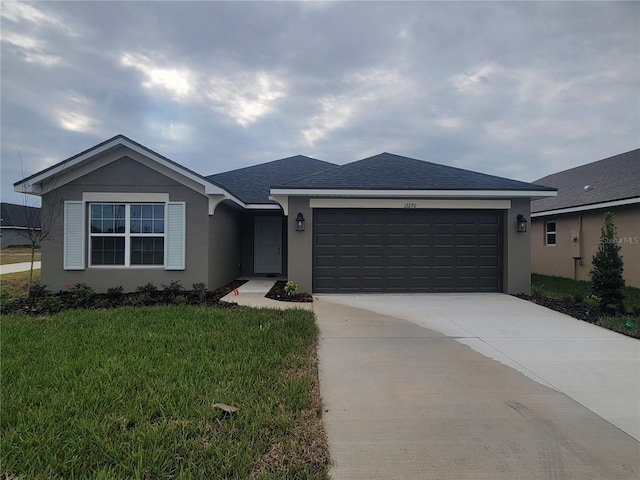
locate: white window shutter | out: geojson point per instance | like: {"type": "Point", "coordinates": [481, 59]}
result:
{"type": "Point", "coordinates": [175, 236]}
{"type": "Point", "coordinates": [73, 254]}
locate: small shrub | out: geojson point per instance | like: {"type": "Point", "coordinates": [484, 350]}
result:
{"type": "Point", "coordinates": [115, 293]}
{"type": "Point", "coordinates": [173, 288]}
{"type": "Point", "coordinates": [180, 300]}
{"type": "Point", "coordinates": [578, 297]}
{"type": "Point", "coordinates": [148, 289]}
{"type": "Point", "coordinates": [593, 302]}
{"type": "Point", "coordinates": [39, 290]}
{"type": "Point", "coordinates": [81, 294]}
{"type": "Point", "coordinates": [291, 287]}
{"type": "Point", "coordinates": [50, 304]}
{"type": "Point", "coordinates": [199, 291]}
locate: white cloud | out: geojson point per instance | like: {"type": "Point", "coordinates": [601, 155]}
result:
{"type": "Point", "coordinates": [33, 49]}
{"type": "Point", "coordinates": [246, 97]}
{"type": "Point", "coordinates": [475, 82]}
{"type": "Point", "coordinates": [19, 11]}
{"type": "Point", "coordinates": [335, 112]}
{"type": "Point", "coordinates": [74, 114]}
{"type": "Point", "coordinates": [179, 82]}
{"type": "Point", "coordinates": [448, 122]}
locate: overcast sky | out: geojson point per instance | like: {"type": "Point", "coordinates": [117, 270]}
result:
{"type": "Point", "coordinates": [513, 89]}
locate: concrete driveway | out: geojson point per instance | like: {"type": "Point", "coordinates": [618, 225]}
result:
{"type": "Point", "coordinates": [483, 386]}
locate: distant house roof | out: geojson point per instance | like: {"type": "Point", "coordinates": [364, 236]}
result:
{"type": "Point", "coordinates": [19, 216]}
{"type": "Point", "coordinates": [594, 185]}
{"type": "Point", "coordinates": [252, 184]}
{"type": "Point", "coordinates": [387, 171]}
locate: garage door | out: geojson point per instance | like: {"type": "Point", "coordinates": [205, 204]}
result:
{"type": "Point", "coordinates": [363, 250]}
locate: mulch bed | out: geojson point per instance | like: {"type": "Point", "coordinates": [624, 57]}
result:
{"type": "Point", "coordinates": [48, 303]}
{"type": "Point", "coordinates": [574, 309]}
{"type": "Point", "coordinates": [277, 293]}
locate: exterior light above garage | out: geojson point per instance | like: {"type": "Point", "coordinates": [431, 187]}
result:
{"type": "Point", "coordinates": [522, 223]}
{"type": "Point", "coordinates": [300, 223]}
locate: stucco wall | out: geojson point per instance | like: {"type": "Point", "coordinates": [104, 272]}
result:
{"type": "Point", "coordinates": [300, 244]}
{"type": "Point", "coordinates": [517, 250]}
{"type": "Point", "coordinates": [224, 248]}
{"type": "Point", "coordinates": [559, 260]}
{"type": "Point", "coordinates": [126, 175]}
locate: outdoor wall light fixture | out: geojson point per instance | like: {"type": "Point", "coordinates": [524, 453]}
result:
{"type": "Point", "coordinates": [299, 223]}
{"type": "Point", "coordinates": [522, 223]}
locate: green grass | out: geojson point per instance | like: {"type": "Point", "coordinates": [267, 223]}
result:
{"type": "Point", "coordinates": [567, 288]}
{"type": "Point", "coordinates": [129, 393]}
{"type": "Point", "coordinates": [628, 325]}
{"type": "Point", "coordinates": [15, 284]}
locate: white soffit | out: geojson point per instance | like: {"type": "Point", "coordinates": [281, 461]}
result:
{"type": "Point", "coordinates": [411, 193]}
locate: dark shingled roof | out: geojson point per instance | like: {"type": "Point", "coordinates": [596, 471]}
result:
{"type": "Point", "coordinates": [13, 215]}
{"type": "Point", "coordinates": [614, 178]}
{"type": "Point", "coordinates": [387, 171]}
{"type": "Point", "coordinates": [252, 184]}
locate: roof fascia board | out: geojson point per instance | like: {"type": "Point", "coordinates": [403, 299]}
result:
{"type": "Point", "coordinates": [412, 193]}
{"type": "Point", "coordinates": [584, 208]}
{"type": "Point", "coordinates": [30, 185]}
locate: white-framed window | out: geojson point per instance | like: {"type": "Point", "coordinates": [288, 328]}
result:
{"type": "Point", "coordinates": [550, 233]}
{"type": "Point", "coordinates": [124, 230]}
{"type": "Point", "coordinates": [127, 234]}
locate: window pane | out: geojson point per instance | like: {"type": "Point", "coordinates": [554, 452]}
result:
{"type": "Point", "coordinates": [96, 226]}
{"type": "Point", "coordinates": [147, 226]}
{"type": "Point", "coordinates": [136, 226]}
{"type": "Point", "coordinates": [107, 250]}
{"type": "Point", "coordinates": [158, 212]}
{"type": "Point", "coordinates": [158, 226]}
{"type": "Point", "coordinates": [96, 211]}
{"type": "Point", "coordinates": [136, 211]}
{"type": "Point", "coordinates": [147, 211]}
{"type": "Point", "coordinates": [147, 251]}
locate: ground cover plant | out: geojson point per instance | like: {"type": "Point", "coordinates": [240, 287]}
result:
{"type": "Point", "coordinates": [130, 393]}
{"type": "Point", "coordinates": [575, 298]}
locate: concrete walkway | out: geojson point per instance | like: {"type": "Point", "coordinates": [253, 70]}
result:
{"type": "Point", "coordinates": [18, 267]}
{"type": "Point", "coordinates": [252, 294]}
{"type": "Point", "coordinates": [474, 387]}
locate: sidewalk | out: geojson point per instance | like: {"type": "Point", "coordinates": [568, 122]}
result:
{"type": "Point", "coordinates": [18, 267]}
{"type": "Point", "coordinates": [252, 294]}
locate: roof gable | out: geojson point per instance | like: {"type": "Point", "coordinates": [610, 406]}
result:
{"type": "Point", "coordinates": [608, 180]}
{"type": "Point", "coordinates": [387, 171]}
{"type": "Point", "coordinates": [252, 184]}
{"type": "Point", "coordinates": [20, 216]}
{"type": "Point", "coordinates": [34, 183]}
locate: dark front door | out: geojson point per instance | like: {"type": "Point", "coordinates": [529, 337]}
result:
{"type": "Point", "coordinates": [384, 250]}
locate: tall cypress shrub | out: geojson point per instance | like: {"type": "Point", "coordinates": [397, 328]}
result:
{"type": "Point", "coordinates": [607, 281]}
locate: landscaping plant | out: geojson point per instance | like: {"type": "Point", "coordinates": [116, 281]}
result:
{"type": "Point", "coordinates": [607, 281]}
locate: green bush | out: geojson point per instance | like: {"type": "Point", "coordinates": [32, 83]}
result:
{"type": "Point", "coordinates": [607, 281]}
{"type": "Point", "coordinates": [593, 302]}
{"type": "Point", "coordinates": [291, 287]}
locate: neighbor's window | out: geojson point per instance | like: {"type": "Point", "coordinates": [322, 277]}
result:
{"type": "Point", "coordinates": [550, 233]}
{"type": "Point", "coordinates": [127, 234]}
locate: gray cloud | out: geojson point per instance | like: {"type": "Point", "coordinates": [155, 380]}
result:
{"type": "Point", "coordinates": [508, 88]}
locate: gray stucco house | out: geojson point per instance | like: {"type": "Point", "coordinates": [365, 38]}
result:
{"type": "Point", "coordinates": [383, 224]}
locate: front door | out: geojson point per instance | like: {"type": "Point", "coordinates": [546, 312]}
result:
{"type": "Point", "coordinates": [267, 241]}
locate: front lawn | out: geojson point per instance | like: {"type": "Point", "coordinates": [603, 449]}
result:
{"type": "Point", "coordinates": [130, 393]}
{"type": "Point", "coordinates": [18, 255]}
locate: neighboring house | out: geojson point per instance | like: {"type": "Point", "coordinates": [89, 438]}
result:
{"type": "Point", "coordinates": [565, 230]}
{"type": "Point", "coordinates": [15, 221]}
{"type": "Point", "coordinates": [383, 224]}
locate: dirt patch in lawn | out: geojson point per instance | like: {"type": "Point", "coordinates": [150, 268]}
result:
{"type": "Point", "coordinates": [277, 293]}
